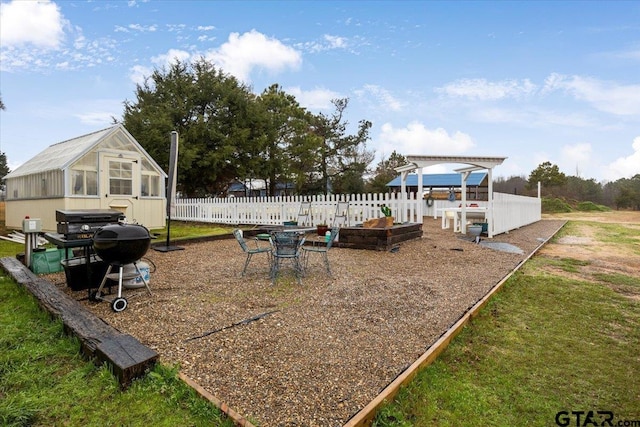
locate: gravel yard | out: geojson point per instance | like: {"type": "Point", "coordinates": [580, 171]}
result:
{"type": "Point", "coordinates": [311, 354]}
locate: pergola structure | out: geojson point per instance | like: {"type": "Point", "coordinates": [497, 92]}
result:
{"type": "Point", "coordinates": [474, 164]}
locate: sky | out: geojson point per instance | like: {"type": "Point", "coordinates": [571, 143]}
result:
{"type": "Point", "coordinates": [532, 81]}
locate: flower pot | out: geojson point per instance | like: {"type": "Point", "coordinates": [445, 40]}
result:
{"type": "Point", "coordinates": [322, 229]}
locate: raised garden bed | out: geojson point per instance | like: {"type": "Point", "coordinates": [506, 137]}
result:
{"type": "Point", "coordinates": [378, 239]}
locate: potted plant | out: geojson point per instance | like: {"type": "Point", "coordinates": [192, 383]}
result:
{"type": "Point", "coordinates": [387, 215]}
{"type": "Point", "coordinates": [322, 229]}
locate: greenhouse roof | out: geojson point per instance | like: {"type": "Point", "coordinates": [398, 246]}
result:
{"type": "Point", "coordinates": [58, 156]}
{"type": "Point", "coordinates": [63, 154]}
{"type": "Point", "coordinates": [440, 180]}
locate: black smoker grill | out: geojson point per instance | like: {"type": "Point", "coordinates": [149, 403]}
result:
{"type": "Point", "coordinates": [119, 245]}
{"type": "Point", "coordinates": [81, 224]}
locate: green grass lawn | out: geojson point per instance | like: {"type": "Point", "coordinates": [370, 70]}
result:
{"type": "Point", "coordinates": [545, 343]}
{"type": "Point", "coordinates": [44, 381]}
{"type": "Point", "coordinates": [188, 230]}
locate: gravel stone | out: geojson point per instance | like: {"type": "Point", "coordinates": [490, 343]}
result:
{"type": "Point", "coordinates": [312, 354]}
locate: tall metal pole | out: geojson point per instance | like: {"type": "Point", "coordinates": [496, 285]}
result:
{"type": "Point", "coordinates": [171, 190]}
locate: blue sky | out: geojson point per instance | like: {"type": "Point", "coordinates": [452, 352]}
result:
{"type": "Point", "coordinates": [530, 81]}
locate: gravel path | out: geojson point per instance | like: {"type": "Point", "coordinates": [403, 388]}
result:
{"type": "Point", "coordinates": [314, 354]}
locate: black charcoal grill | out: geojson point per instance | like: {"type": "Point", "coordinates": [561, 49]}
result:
{"type": "Point", "coordinates": [119, 245]}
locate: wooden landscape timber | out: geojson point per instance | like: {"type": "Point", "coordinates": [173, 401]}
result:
{"type": "Point", "coordinates": [99, 341]}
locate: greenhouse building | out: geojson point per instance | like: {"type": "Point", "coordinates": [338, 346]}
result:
{"type": "Point", "coordinates": [107, 169]}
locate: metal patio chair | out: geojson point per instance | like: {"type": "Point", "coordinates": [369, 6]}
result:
{"type": "Point", "coordinates": [252, 251]}
{"type": "Point", "coordinates": [304, 214]}
{"type": "Point", "coordinates": [322, 250]}
{"type": "Point", "coordinates": [341, 217]}
{"type": "Point", "coordinates": [287, 248]}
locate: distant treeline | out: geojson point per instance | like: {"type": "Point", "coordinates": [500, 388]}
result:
{"type": "Point", "coordinates": [576, 193]}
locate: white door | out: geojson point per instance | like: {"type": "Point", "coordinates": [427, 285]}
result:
{"type": "Point", "coordinates": [119, 183]}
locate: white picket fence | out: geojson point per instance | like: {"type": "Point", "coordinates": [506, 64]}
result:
{"type": "Point", "coordinates": [277, 210]}
{"type": "Point", "coordinates": [509, 211]}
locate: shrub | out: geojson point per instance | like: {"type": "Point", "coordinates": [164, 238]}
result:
{"type": "Point", "coordinates": [555, 205]}
{"type": "Point", "coordinates": [591, 207]}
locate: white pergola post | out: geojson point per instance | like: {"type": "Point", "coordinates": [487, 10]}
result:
{"type": "Point", "coordinates": [490, 204]}
{"type": "Point", "coordinates": [404, 172]}
{"type": "Point", "coordinates": [463, 198]}
{"type": "Point", "coordinates": [419, 196]}
{"type": "Point", "coordinates": [403, 196]}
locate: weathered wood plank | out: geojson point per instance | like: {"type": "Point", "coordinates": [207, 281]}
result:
{"type": "Point", "coordinates": [381, 239]}
{"type": "Point", "coordinates": [99, 340]}
{"type": "Point", "coordinates": [128, 357]}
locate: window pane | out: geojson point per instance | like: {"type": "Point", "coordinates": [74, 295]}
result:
{"type": "Point", "coordinates": [77, 182]}
{"type": "Point", "coordinates": [92, 183]}
{"type": "Point", "coordinates": [144, 186]}
{"type": "Point", "coordinates": [150, 186]}
{"type": "Point", "coordinates": [120, 178]}
{"type": "Point", "coordinates": [120, 187]}
{"type": "Point", "coordinates": [154, 186]}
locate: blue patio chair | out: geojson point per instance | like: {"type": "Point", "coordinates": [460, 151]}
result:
{"type": "Point", "coordinates": [322, 250]}
{"type": "Point", "coordinates": [252, 251]}
{"type": "Point", "coordinates": [287, 248]}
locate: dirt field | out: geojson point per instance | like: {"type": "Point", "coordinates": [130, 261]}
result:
{"type": "Point", "coordinates": [600, 257]}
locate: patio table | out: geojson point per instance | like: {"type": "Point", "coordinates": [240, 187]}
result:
{"type": "Point", "coordinates": [456, 213]}
{"type": "Point", "coordinates": [287, 245]}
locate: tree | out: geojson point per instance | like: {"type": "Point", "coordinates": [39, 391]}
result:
{"type": "Point", "coordinates": [548, 175]}
{"type": "Point", "coordinates": [284, 138]}
{"type": "Point", "coordinates": [582, 190]}
{"type": "Point", "coordinates": [511, 185]}
{"type": "Point", "coordinates": [352, 181]}
{"type": "Point", "coordinates": [338, 152]}
{"type": "Point", "coordinates": [385, 171]}
{"type": "Point", "coordinates": [2, 107]}
{"type": "Point", "coordinates": [212, 112]}
{"type": "Point", "coordinates": [628, 193]}
{"type": "Point", "coordinates": [4, 169]}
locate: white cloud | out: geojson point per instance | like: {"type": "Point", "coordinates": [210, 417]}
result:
{"type": "Point", "coordinates": [239, 56]}
{"type": "Point", "coordinates": [134, 3]}
{"type": "Point", "coordinates": [205, 38]}
{"type": "Point", "coordinates": [384, 98]}
{"type": "Point", "coordinates": [335, 42]}
{"type": "Point", "coordinates": [136, 27]}
{"type": "Point", "coordinates": [483, 90]}
{"type": "Point", "coordinates": [38, 23]}
{"type": "Point", "coordinates": [44, 40]}
{"type": "Point", "coordinates": [243, 53]}
{"type": "Point", "coordinates": [625, 167]}
{"type": "Point", "coordinates": [166, 59]}
{"type": "Point", "coordinates": [328, 42]}
{"type": "Point", "coordinates": [316, 99]}
{"type": "Point", "coordinates": [97, 118]}
{"type": "Point", "coordinates": [415, 138]}
{"type": "Point", "coordinates": [605, 96]}
{"type": "Point", "coordinates": [138, 73]}
{"type": "Point", "coordinates": [576, 159]}
{"type": "Point", "coordinates": [143, 29]}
